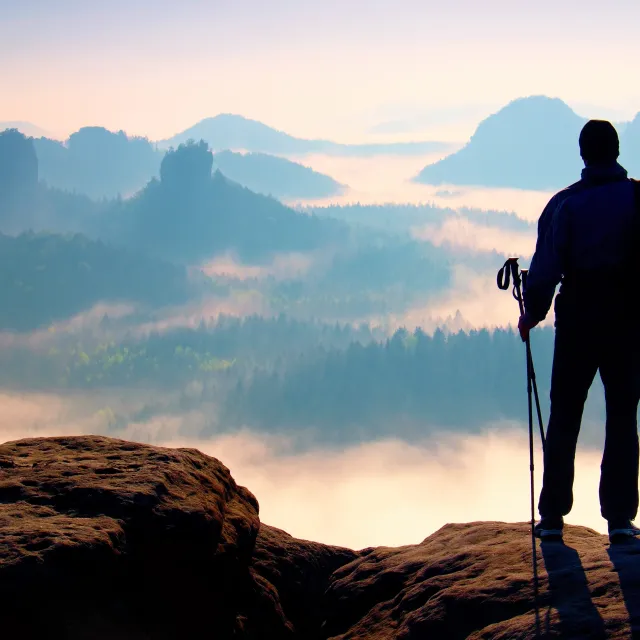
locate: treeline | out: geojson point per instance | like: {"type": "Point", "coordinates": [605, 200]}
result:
{"type": "Point", "coordinates": [227, 345]}
{"type": "Point", "coordinates": [394, 217]}
{"type": "Point", "coordinates": [98, 162]}
{"type": "Point", "coordinates": [375, 276]}
{"type": "Point", "coordinates": [409, 383]}
{"type": "Point", "coordinates": [187, 215]}
{"type": "Point", "coordinates": [339, 383]}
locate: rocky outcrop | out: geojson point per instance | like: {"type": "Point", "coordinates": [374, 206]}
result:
{"type": "Point", "coordinates": [101, 538]}
{"type": "Point", "coordinates": [121, 539]}
{"type": "Point", "coordinates": [475, 581]}
{"type": "Point", "coordinates": [299, 572]}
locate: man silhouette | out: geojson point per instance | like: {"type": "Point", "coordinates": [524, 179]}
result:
{"type": "Point", "coordinates": [585, 241]}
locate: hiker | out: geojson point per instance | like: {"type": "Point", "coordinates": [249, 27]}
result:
{"type": "Point", "coordinates": [585, 240]}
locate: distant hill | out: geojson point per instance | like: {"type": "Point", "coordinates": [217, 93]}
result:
{"type": "Point", "coordinates": [26, 203]}
{"type": "Point", "coordinates": [532, 143]}
{"type": "Point", "coordinates": [105, 164]}
{"type": "Point", "coordinates": [271, 175]}
{"type": "Point", "coordinates": [228, 131]}
{"type": "Point", "coordinates": [46, 277]}
{"type": "Point", "coordinates": [190, 215]}
{"type": "Point", "coordinates": [98, 162]}
{"type": "Point", "coordinates": [187, 214]}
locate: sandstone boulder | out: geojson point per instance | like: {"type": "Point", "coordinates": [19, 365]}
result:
{"type": "Point", "coordinates": [106, 539]}
{"type": "Point", "coordinates": [476, 581]}
{"type": "Point", "coordinates": [299, 572]}
{"type": "Point", "coordinates": [122, 539]}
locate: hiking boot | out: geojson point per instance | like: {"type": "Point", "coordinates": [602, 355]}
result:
{"type": "Point", "coordinates": [621, 530]}
{"type": "Point", "coordinates": [549, 528]}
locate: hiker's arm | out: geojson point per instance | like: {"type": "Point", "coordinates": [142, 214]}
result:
{"type": "Point", "coordinates": [547, 264]}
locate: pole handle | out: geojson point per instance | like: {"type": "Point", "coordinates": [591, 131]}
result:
{"type": "Point", "coordinates": [508, 270]}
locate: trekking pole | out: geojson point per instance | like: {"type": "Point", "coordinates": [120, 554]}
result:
{"type": "Point", "coordinates": [532, 371]}
{"type": "Point", "coordinates": [511, 270]}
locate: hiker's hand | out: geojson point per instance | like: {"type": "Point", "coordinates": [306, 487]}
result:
{"type": "Point", "coordinates": [525, 324]}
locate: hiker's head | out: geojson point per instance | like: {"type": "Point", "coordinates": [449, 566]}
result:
{"type": "Point", "coordinates": [599, 142]}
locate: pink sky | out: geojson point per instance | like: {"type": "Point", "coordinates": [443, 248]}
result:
{"type": "Point", "coordinates": [314, 68]}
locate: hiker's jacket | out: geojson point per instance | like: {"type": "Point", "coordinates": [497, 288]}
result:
{"type": "Point", "coordinates": [584, 235]}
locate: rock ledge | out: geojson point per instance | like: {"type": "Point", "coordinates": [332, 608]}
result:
{"type": "Point", "coordinates": [102, 538]}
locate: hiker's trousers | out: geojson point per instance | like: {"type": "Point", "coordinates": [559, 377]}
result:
{"type": "Point", "coordinates": [583, 346]}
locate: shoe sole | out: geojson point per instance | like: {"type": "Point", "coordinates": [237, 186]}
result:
{"type": "Point", "coordinates": [549, 535]}
{"type": "Point", "coordinates": [623, 535]}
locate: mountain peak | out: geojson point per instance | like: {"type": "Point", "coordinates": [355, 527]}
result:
{"type": "Point", "coordinates": [547, 115]}
{"type": "Point", "coordinates": [228, 118]}
{"type": "Point", "coordinates": [536, 103]}
{"type": "Point", "coordinates": [239, 133]}
{"type": "Point", "coordinates": [530, 143]}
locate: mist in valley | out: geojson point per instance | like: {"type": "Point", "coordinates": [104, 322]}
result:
{"type": "Point", "coordinates": [344, 351]}
{"type": "Point", "coordinates": [389, 179]}
{"type": "Point", "coordinates": [385, 491]}
{"type": "Point", "coordinates": [417, 259]}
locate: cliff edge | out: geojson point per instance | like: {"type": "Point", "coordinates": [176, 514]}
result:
{"type": "Point", "coordinates": [102, 538]}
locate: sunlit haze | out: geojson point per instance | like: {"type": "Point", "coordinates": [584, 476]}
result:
{"type": "Point", "coordinates": [387, 492]}
{"type": "Point", "coordinates": [350, 71]}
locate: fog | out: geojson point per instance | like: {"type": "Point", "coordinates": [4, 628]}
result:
{"type": "Point", "coordinates": [472, 302]}
{"type": "Point", "coordinates": [386, 492]}
{"type": "Point", "coordinates": [381, 492]}
{"type": "Point", "coordinates": [209, 308]}
{"type": "Point", "coordinates": [387, 179]}
{"type": "Point", "coordinates": [135, 321]}
{"type": "Point", "coordinates": [281, 266]}
{"type": "Point", "coordinates": [460, 233]}
{"type": "Point", "coordinates": [392, 492]}
{"type": "Point", "coordinates": [86, 321]}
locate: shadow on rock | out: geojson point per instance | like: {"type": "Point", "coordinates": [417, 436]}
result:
{"type": "Point", "coordinates": [626, 562]}
{"type": "Point", "coordinates": [570, 593]}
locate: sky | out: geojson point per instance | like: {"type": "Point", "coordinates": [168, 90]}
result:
{"type": "Point", "coordinates": [351, 70]}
